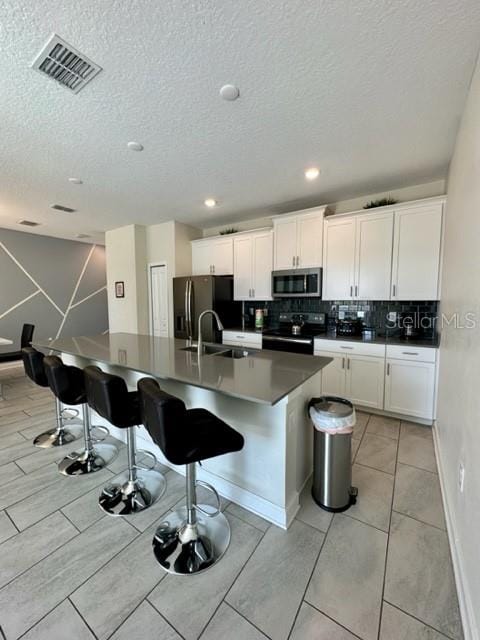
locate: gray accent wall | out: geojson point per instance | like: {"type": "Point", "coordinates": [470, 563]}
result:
{"type": "Point", "coordinates": [57, 285]}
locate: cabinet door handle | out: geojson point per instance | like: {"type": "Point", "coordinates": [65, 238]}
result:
{"type": "Point", "coordinates": [343, 363]}
{"type": "Point", "coordinates": [356, 291]}
{"type": "Point", "coordinates": [394, 291]}
{"type": "Point", "coordinates": [213, 268]}
{"type": "Point", "coordinates": [293, 261]}
{"type": "Point", "coordinates": [342, 347]}
{"type": "Point", "coordinates": [348, 363]}
{"type": "Point", "coordinates": [388, 368]}
{"type": "Point", "coordinates": [351, 291]}
{"type": "Point", "coordinates": [410, 353]}
{"type": "Point", "coordinates": [253, 293]}
{"type": "Point", "coordinates": [298, 261]}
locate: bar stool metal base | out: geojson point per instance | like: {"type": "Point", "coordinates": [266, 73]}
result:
{"type": "Point", "coordinates": [61, 435]}
{"type": "Point", "coordinates": [127, 497]}
{"type": "Point", "coordinates": [79, 463]}
{"type": "Point", "coordinates": [185, 549]}
{"type": "Point", "coordinates": [58, 438]}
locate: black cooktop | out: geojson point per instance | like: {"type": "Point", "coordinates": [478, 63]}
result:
{"type": "Point", "coordinates": [310, 325]}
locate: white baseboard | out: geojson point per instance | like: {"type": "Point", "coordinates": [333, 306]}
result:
{"type": "Point", "coordinates": [470, 629]}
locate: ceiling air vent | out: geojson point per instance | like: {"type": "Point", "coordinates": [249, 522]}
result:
{"type": "Point", "coordinates": [29, 223]}
{"type": "Point", "coordinates": [63, 63]}
{"type": "Point", "coordinates": [60, 207]}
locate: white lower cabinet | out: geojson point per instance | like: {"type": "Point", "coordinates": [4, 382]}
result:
{"type": "Point", "coordinates": [333, 376]}
{"type": "Point", "coordinates": [365, 380]}
{"type": "Point", "coordinates": [398, 379]}
{"type": "Point", "coordinates": [410, 388]}
{"type": "Point", "coordinates": [249, 339]}
{"type": "Point", "coordinates": [359, 378]}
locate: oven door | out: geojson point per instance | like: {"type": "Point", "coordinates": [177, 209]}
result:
{"type": "Point", "coordinates": [295, 345]}
{"type": "Point", "coordinates": [300, 283]}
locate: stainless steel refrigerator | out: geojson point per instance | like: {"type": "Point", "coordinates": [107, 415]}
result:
{"type": "Point", "coordinates": [194, 294]}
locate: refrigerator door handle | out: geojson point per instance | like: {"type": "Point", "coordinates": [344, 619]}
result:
{"type": "Point", "coordinates": [189, 309]}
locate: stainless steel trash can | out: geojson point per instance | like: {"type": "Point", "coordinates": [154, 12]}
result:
{"type": "Point", "coordinates": [333, 420]}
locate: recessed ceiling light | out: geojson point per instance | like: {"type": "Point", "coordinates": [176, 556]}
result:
{"type": "Point", "coordinates": [210, 202]}
{"type": "Point", "coordinates": [312, 173]}
{"type": "Point", "coordinates": [75, 180]}
{"type": "Point", "coordinates": [229, 92]}
{"type": "Point", "coordinates": [135, 146]}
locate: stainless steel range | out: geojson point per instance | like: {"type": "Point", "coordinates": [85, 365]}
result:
{"type": "Point", "coordinates": [295, 333]}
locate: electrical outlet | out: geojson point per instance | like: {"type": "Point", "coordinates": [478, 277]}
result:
{"type": "Point", "coordinates": [461, 477]}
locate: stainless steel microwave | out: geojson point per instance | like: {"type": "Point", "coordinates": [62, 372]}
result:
{"type": "Point", "coordinates": [297, 283]}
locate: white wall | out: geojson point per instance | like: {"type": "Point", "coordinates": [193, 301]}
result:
{"type": "Point", "coordinates": [415, 192]}
{"type": "Point", "coordinates": [458, 412]}
{"type": "Point", "coordinates": [125, 254]}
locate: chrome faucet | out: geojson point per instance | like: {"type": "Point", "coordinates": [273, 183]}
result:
{"type": "Point", "coordinates": [200, 317]}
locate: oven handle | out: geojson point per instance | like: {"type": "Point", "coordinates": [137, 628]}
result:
{"type": "Point", "coordinates": [296, 340]}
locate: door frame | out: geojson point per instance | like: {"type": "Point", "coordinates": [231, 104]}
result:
{"type": "Point", "coordinates": [150, 265]}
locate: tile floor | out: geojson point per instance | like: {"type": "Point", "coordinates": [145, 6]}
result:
{"type": "Point", "coordinates": [380, 571]}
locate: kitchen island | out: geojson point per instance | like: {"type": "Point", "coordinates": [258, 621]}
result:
{"type": "Point", "coordinates": [263, 394]}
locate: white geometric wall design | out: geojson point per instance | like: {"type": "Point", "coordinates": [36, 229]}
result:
{"type": "Point", "coordinates": [67, 297]}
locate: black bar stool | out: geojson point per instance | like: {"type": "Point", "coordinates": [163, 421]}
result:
{"type": "Point", "coordinates": [68, 385]}
{"type": "Point", "coordinates": [108, 395]}
{"type": "Point", "coordinates": [33, 364]}
{"type": "Point", "coordinates": [193, 538]}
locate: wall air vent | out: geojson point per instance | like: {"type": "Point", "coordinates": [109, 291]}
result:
{"type": "Point", "coordinates": [29, 223]}
{"type": "Point", "coordinates": [60, 207]}
{"type": "Point", "coordinates": [61, 62]}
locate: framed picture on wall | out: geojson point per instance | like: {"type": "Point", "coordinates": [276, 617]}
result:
{"type": "Point", "coordinates": [119, 289]}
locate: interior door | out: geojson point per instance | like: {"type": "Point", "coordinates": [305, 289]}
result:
{"type": "Point", "coordinates": [242, 267]}
{"type": "Point", "coordinates": [333, 375]}
{"type": "Point", "coordinates": [339, 259]}
{"type": "Point", "coordinates": [365, 379]}
{"type": "Point", "coordinates": [310, 241]}
{"type": "Point", "coordinates": [374, 239]}
{"type": "Point", "coordinates": [285, 244]}
{"type": "Point", "coordinates": [158, 301]}
{"type": "Point", "coordinates": [416, 254]}
{"type": "Point", "coordinates": [410, 388]}
{"type": "Point", "coordinates": [262, 249]}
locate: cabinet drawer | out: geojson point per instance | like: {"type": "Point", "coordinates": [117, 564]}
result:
{"type": "Point", "coordinates": [243, 338]}
{"type": "Point", "coordinates": [407, 352]}
{"type": "Point", "coordinates": [346, 347]}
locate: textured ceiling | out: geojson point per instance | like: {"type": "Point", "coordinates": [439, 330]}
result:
{"type": "Point", "coordinates": [371, 91]}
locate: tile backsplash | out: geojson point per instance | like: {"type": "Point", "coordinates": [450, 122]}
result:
{"type": "Point", "coordinates": [376, 314]}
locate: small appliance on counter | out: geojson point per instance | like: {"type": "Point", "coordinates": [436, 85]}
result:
{"type": "Point", "coordinates": [348, 327]}
{"type": "Point", "coordinates": [295, 332]}
{"type": "Point", "coordinates": [369, 333]}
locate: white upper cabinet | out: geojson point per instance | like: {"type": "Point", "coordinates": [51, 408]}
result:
{"type": "Point", "coordinates": [389, 255]}
{"type": "Point", "coordinates": [285, 244]}
{"type": "Point", "coordinates": [339, 259]}
{"type": "Point", "coordinates": [416, 253]}
{"type": "Point", "coordinates": [252, 271]}
{"type": "Point", "coordinates": [212, 256]}
{"type": "Point", "coordinates": [374, 241]}
{"type": "Point", "coordinates": [299, 239]}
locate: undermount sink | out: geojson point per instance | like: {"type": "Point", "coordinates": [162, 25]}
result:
{"type": "Point", "coordinates": [220, 351]}
{"type": "Point", "coordinates": [233, 353]}
{"type": "Point", "coordinates": [207, 349]}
